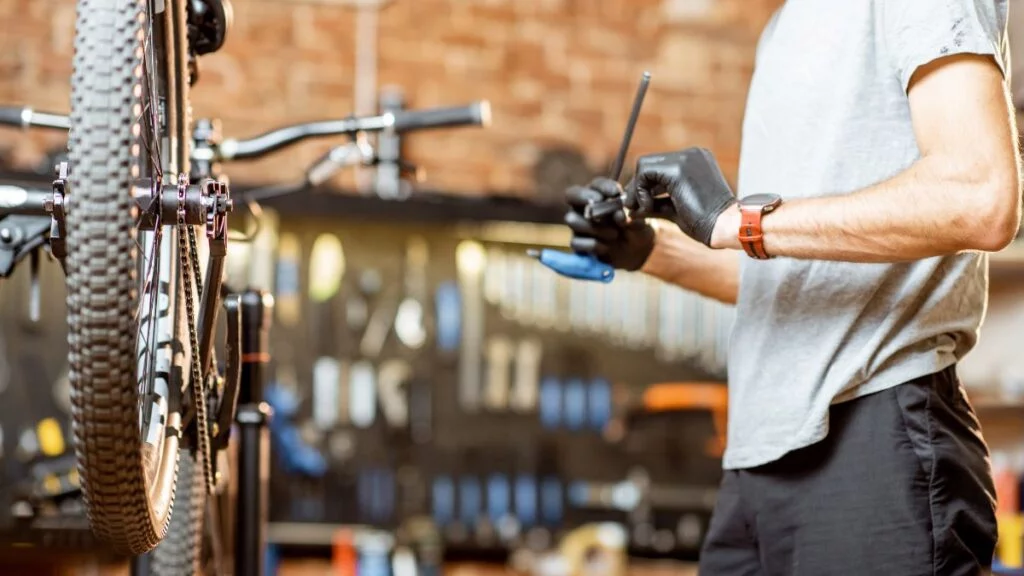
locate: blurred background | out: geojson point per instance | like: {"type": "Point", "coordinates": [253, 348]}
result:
{"type": "Point", "coordinates": [435, 389]}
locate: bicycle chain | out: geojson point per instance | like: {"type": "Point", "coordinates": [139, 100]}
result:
{"type": "Point", "coordinates": [188, 251]}
{"type": "Point", "coordinates": [194, 251]}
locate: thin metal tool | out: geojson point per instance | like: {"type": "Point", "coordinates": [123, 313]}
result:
{"type": "Point", "coordinates": [579, 266]}
{"type": "Point", "coordinates": [627, 137]}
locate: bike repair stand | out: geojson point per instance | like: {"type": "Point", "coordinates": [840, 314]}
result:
{"type": "Point", "coordinates": [252, 420]}
{"type": "Point", "coordinates": [253, 428]}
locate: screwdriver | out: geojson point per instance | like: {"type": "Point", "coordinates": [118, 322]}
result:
{"type": "Point", "coordinates": [586, 267]}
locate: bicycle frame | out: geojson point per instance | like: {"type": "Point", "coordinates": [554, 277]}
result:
{"type": "Point", "coordinates": [26, 212]}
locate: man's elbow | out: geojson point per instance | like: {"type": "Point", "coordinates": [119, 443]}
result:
{"type": "Point", "coordinates": [995, 225]}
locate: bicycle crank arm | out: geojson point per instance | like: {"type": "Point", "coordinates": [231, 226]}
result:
{"type": "Point", "coordinates": [218, 203]}
{"type": "Point", "coordinates": [233, 374]}
{"type": "Point", "coordinates": [576, 266]}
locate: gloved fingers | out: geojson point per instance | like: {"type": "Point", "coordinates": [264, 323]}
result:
{"type": "Point", "coordinates": [619, 218]}
{"type": "Point", "coordinates": [579, 196]}
{"type": "Point", "coordinates": [644, 203]}
{"type": "Point", "coordinates": [606, 187]}
{"type": "Point", "coordinates": [654, 182]}
{"type": "Point", "coordinates": [586, 245]}
{"type": "Point", "coordinates": [648, 187]}
{"type": "Point", "coordinates": [583, 227]}
{"type": "Point", "coordinates": [630, 192]}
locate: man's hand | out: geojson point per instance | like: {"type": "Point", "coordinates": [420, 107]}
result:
{"type": "Point", "coordinates": [615, 242]}
{"type": "Point", "coordinates": [691, 181]}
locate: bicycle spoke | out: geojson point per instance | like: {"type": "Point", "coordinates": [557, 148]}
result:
{"type": "Point", "coordinates": [153, 144]}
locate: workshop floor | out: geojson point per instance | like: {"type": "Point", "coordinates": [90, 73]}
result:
{"type": "Point", "coordinates": [323, 568]}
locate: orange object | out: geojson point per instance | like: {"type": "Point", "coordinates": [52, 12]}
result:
{"type": "Point", "coordinates": [710, 396]}
{"type": "Point", "coordinates": [1007, 487]}
{"type": "Point", "coordinates": [343, 556]}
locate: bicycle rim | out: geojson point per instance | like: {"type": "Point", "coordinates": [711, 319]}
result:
{"type": "Point", "coordinates": [124, 322]}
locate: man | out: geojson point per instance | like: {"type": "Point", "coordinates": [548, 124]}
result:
{"type": "Point", "coordinates": [878, 166]}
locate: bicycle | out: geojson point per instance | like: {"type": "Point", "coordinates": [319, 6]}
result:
{"type": "Point", "coordinates": [123, 214]}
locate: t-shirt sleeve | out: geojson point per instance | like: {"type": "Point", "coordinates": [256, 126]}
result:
{"type": "Point", "coordinates": [766, 33]}
{"type": "Point", "coordinates": [920, 31]}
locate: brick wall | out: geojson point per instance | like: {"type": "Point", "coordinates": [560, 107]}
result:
{"type": "Point", "coordinates": [557, 72]}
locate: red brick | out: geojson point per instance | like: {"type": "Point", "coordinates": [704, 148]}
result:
{"type": "Point", "coordinates": [556, 71]}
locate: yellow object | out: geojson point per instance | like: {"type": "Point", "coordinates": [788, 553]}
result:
{"type": "Point", "coordinates": [470, 258]}
{"type": "Point", "coordinates": [289, 262]}
{"type": "Point", "coordinates": [51, 484]}
{"type": "Point", "coordinates": [326, 267]}
{"type": "Point", "coordinates": [73, 477]}
{"type": "Point", "coordinates": [595, 550]}
{"type": "Point", "coordinates": [51, 437]}
{"type": "Point", "coordinates": [1010, 548]}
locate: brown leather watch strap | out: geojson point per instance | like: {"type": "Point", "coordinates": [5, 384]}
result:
{"type": "Point", "coordinates": [751, 236]}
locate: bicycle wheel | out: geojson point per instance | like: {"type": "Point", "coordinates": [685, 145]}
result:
{"type": "Point", "coordinates": [180, 552]}
{"type": "Point", "coordinates": [124, 297]}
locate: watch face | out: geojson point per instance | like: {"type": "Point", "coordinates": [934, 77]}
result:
{"type": "Point", "coordinates": [761, 201]}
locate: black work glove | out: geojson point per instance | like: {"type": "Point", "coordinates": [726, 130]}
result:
{"type": "Point", "coordinates": [612, 240]}
{"type": "Point", "coordinates": [688, 183]}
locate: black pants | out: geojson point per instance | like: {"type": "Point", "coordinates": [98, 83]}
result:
{"type": "Point", "coordinates": [900, 487]}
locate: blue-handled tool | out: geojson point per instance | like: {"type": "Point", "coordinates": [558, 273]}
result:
{"type": "Point", "coordinates": [572, 265]}
{"type": "Point", "coordinates": [580, 266]}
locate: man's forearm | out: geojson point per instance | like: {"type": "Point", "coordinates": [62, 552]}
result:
{"type": "Point", "coordinates": [964, 193]}
{"type": "Point", "coordinates": [680, 260]}
{"type": "Point", "coordinates": [929, 210]}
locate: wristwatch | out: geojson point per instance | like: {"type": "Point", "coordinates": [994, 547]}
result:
{"type": "Point", "coordinates": [752, 210]}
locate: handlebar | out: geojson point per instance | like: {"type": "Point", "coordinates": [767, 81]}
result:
{"type": "Point", "coordinates": [25, 117]}
{"type": "Point", "coordinates": [29, 200]}
{"type": "Point", "coordinates": [475, 114]}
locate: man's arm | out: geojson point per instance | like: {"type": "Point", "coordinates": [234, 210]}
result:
{"type": "Point", "coordinates": [680, 260]}
{"type": "Point", "coordinates": [964, 193]}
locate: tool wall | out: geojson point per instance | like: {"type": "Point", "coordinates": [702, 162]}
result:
{"type": "Point", "coordinates": [430, 369]}
{"type": "Point", "coordinates": [426, 371]}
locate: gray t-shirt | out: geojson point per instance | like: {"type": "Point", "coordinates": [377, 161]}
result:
{"type": "Point", "coordinates": [828, 114]}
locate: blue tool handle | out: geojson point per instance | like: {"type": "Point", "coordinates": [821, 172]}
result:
{"type": "Point", "coordinates": [577, 266]}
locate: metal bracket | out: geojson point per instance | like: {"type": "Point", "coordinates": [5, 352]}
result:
{"type": "Point", "coordinates": [55, 207]}
{"type": "Point", "coordinates": [389, 184]}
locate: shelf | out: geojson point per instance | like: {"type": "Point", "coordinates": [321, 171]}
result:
{"type": "Point", "coordinates": [994, 406]}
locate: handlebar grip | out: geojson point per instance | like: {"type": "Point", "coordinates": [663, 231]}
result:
{"type": "Point", "coordinates": [475, 114]}
{"type": "Point", "coordinates": [10, 116]}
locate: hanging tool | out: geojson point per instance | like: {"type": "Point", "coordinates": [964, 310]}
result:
{"type": "Point", "coordinates": [583, 267]}
{"type": "Point", "coordinates": [443, 500]}
{"type": "Point", "coordinates": [574, 405]}
{"type": "Point", "coordinates": [471, 259]}
{"type": "Point", "coordinates": [525, 496]}
{"type": "Point", "coordinates": [499, 362]}
{"type": "Point", "coordinates": [362, 401]}
{"type": "Point", "coordinates": [551, 501]}
{"type": "Point", "coordinates": [499, 498]}
{"type": "Point", "coordinates": [550, 403]}
{"type": "Point", "coordinates": [392, 381]}
{"type": "Point", "coordinates": [409, 319]}
{"type": "Point", "coordinates": [470, 501]}
{"type": "Point", "coordinates": [527, 374]}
